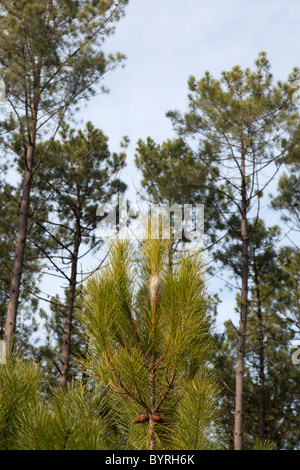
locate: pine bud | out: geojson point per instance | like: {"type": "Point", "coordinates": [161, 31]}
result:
{"type": "Point", "coordinates": [154, 285]}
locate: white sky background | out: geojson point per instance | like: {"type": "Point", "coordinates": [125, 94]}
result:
{"type": "Point", "coordinates": [165, 42]}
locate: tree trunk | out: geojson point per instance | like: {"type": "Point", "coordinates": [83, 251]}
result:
{"type": "Point", "coordinates": [69, 310]}
{"type": "Point", "coordinates": [12, 307]}
{"type": "Point", "coordinates": [154, 298]}
{"type": "Point", "coordinates": [151, 426]}
{"type": "Point", "coordinates": [151, 433]}
{"type": "Point", "coordinates": [239, 375]}
{"type": "Point", "coordinates": [262, 413]}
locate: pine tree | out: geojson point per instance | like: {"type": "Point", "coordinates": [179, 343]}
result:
{"type": "Point", "coordinates": [271, 379]}
{"type": "Point", "coordinates": [50, 57]}
{"type": "Point", "coordinates": [172, 175]}
{"type": "Point", "coordinates": [149, 343]}
{"type": "Point", "coordinates": [238, 127]}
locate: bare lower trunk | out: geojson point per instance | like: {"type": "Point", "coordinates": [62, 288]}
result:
{"type": "Point", "coordinates": [262, 413]}
{"type": "Point", "coordinates": [239, 374]}
{"type": "Point", "coordinates": [69, 312]}
{"type": "Point", "coordinates": [12, 307]}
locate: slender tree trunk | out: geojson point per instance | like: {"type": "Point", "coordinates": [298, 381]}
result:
{"type": "Point", "coordinates": [12, 307]}
{"type": "Point", "coordinates": [262, 413]}
{"type": "Point", "coordinates": [69, 310]}
{"type": "Point", "coordinates": [239, 375]}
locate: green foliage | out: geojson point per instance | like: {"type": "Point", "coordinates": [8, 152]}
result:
{"type": "Point", "coordinates": [71, 419]}
{"type": "Point", "coordinates": [263, 445]}
{"type": "Point", "coordinates": [79, 173]}
{"type": "Point", "coordinates": [195, 414]}
{"type": "Point", "coordinates": [234, 126]}
{"type": "Point", "coordinates": [20, 389]}
{"type": "Point", "coordinates": [173, 174]}
{"type": "Point", "coordinates": [51, 55]}
{"type": "Point", "coordinates": [236, 106]}
{"type": "Point", "coordinates": [287, 201]}
{"type": "Point", "coordinates": [76, 418]}
{"type": "Point", "coordinates": [149, 343]}
{"type": "Point", "coordinates": [149, 349]}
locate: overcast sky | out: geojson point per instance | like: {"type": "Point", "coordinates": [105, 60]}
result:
{"type": "Point", "coordinates": [165, 42]}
